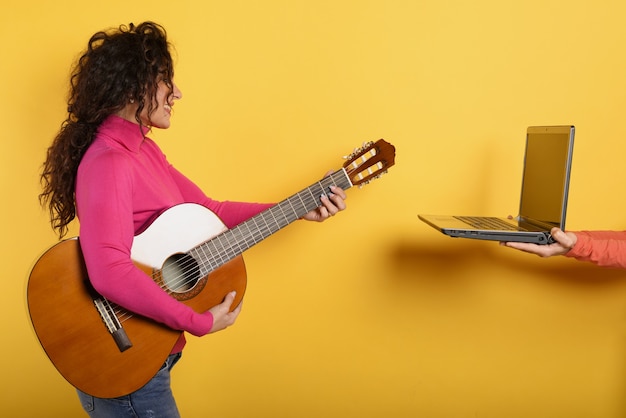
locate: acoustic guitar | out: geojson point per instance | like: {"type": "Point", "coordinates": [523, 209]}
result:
{"type": "Point", "coordinates": [106, 351]}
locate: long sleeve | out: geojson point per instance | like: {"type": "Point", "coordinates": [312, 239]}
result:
{"type": "Point", "coordinates": [604, 248]}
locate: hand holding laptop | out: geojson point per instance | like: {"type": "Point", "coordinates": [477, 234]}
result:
{"type": "Point", "coordinates": [543, 201]}
{"type": "Point", "coordinates": [606, 248]}
{"type": "Point", "coordinates": [543, 204]}
{"type": "Point", "coordinates": [565, 241]}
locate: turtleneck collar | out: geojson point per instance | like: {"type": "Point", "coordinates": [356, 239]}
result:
{"type": "Point", "coordinates": [124, 132]}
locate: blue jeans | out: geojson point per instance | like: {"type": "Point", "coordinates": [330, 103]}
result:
{"type": "Point", "coordinates": [154, 400]}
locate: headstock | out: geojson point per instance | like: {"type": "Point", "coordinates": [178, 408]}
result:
{"type": "Point", "coordinates": [369, 162]}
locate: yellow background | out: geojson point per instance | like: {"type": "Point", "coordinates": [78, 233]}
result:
{"type": "Point", "coordinates": [372, 314]}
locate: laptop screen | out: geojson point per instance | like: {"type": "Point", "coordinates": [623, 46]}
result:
{"type": "Point", "coordinates": [545, 181]}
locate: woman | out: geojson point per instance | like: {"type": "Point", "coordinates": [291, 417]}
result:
{"type": "Point", "coordinates": [604, 248]}
{"type": "Point", "coordinates": [103, 168]}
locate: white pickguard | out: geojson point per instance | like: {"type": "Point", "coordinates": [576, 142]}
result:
{"type": "Point", "coordinates": [177, 230]}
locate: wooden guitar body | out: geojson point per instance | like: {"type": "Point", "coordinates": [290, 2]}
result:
{"type": "Point", "coordinates": [72, 331]}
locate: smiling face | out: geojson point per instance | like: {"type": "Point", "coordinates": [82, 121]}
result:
{"type": "Point", "coordinates": [160, 114]}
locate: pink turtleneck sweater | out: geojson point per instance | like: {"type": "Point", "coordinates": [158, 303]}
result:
{"type": "Point", "coordinates": [124, 181]}
{"type": "Point", "coordinates": [604, 248]}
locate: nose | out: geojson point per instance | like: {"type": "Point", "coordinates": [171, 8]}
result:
{"type": "Point", "coordinates": [177, 94]}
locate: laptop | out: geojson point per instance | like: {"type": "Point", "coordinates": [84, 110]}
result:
{"type": "Point", "coordinates": [543, 202]}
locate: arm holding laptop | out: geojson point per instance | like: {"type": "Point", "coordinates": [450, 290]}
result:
{"type": "Point", "coordinates": [604, 248]}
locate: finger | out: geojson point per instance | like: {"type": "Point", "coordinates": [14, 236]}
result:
{"type": "Point", "coordinates": [325, 212]}
{"type": "Point", "coordinates": [338, 197]}
{"type": "Point", "coordinates": [338, 202]}
{"type": "Point", "coordinates": [560, 236]}
{"type": "Point", "coordinates": [556, 231]}
{"type": "Point", "coordinates": [330, 207]}
{"type": "Point", "coordinates": [238, 308]}
{"type": "Point", "coordinates": [326, 205]}
{"type": "Point", "coordinates": [529, 248]}
{"type": "Point", "coordinates": [515, 245]}
{"type": "Point", "coordinates": [228, 300]}
{"type": "Point", "coordinates": [338, 191]}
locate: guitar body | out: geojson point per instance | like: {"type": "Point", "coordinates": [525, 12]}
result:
{"type": "Point", "coordinates": [72, 331]}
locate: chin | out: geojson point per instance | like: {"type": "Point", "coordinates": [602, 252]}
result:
{"type": "Point", "coordinates": [160, 124]}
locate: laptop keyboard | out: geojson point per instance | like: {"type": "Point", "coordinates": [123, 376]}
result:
{"type": "Point", "coordinates": [482, 222]}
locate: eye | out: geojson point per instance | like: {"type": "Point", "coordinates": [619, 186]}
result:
{"type": "Point", "coordinates": [165, 77]}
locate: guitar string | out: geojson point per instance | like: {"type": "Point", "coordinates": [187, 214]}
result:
{"type": "Point", "coordinates": [235, 236]}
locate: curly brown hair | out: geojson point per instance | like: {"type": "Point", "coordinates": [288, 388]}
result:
{"type": "Point", "coordinates": [119, 65]}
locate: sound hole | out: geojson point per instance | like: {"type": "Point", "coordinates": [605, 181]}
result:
{"type": "Point", "coordinates": [180, 273]}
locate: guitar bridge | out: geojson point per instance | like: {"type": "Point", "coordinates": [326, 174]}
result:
{"type": "Point", "coordinates": [113, 324]}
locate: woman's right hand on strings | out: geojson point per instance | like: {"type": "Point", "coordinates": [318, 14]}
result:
{"type": "Point", "coordinates": [222, 315]}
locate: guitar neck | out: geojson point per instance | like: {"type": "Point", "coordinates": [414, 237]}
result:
{"type": "Point", "coordinates": [222, 248]}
